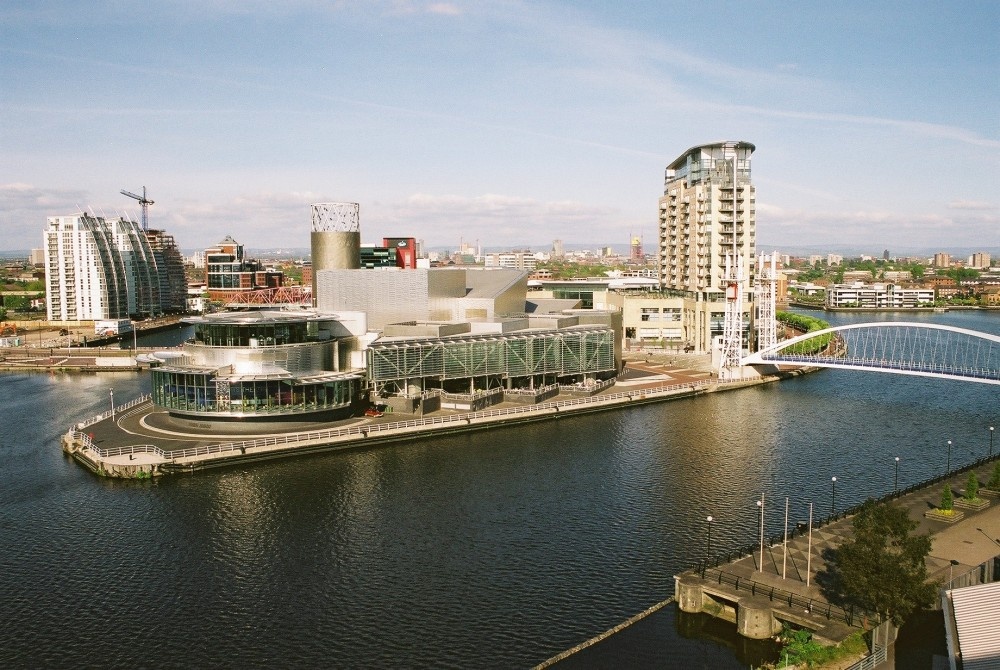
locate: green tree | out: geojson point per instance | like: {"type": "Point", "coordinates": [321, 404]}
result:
{"type": "Point", "coordinates": [994, 483]}
{"type": "Point", "coordinates": [947, 500]}
{"type": "Point", "coordinates": [3, 313]}
{"type": "Point", "coordinates": [882, 568]}
{"type": "Point", "coordinates": [972, 487]}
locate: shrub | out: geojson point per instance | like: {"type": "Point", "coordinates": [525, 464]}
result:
{"type": "Point", "coordinates": [801, 650]}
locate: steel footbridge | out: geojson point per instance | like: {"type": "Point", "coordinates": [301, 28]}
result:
{"type": "Point", "coordinates": [919, 349]}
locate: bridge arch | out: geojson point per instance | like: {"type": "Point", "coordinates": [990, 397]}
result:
{"type": "Point", "coordinates": [897, 347]}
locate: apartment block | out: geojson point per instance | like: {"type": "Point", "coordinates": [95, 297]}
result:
{"type": "Point", "coordinates": [879, 296]}
{"type": "Point", "coordinates": [706, 215]}
{"type": "Point", "coordinates": [98, 269]}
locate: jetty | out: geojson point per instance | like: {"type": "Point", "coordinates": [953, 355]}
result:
{"type": "Point", "coordinates": [139, 440]}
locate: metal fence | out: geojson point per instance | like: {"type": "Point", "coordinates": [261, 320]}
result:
{"type": "Point", "coordinates": [849, 615]}
{"type": "Point", "coordinates": [114, 412]}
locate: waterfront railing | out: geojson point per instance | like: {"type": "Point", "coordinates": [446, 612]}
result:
{"type": "Point", "coordinates": [115, 411]}
{"type": "Point", "coordinates": [850, 615]}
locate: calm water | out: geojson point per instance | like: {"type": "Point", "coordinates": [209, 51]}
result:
{"type": "Point", "coordinates": [496, 549]}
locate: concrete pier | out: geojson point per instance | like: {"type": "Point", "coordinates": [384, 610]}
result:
{"type": "Point", "coordinates": [755, 618]}
{"type": "Point", "coordinates": [689, 594]}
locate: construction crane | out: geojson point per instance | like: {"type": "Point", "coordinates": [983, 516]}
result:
{"type": "Point", "coordinates": [145, 202]}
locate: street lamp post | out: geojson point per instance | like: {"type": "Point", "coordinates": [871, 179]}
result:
{"type": "Point", "coordinates": [809, 551]}
{"type": "Point", "coordinates": [112, 391]}
{"type": "Point", "coordinates": [709, 554]}
{"type": "Point", "coordinates": [949, 458]}
{"type": "Point", "coordinates": [760, 504]}
{"type": "Point", "coordinates": [895, 483]}
{"type": "Point", "coordinates": [784, 545]}
{"type": "Point", "coordinates": [833, 498]}
{"type": "Point", "coordinates": [991, 441]}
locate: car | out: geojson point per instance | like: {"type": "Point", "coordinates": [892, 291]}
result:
{"type": "Point", "coordinates": [373, 411]}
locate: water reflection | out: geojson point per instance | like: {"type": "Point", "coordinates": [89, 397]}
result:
{"type": "Point", "coordinates": [499, 548]}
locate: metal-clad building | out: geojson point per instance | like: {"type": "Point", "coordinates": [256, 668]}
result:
{"type": "Point", "coordinates": [389, 295]}
{"type": "Point", "coordinates": [972, 622]}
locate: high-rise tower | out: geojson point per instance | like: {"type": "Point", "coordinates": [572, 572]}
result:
{"type": "Point", "coordinates": [707, 239]}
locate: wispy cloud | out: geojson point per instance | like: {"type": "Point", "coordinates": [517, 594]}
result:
{"type": "Point", "coordinates": [500, 219]}
{"type": "Point", "coordinates": [974, 204]}
{"type": "Point", "coordinates": [880, 227]}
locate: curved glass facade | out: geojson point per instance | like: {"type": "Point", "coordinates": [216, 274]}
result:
{"type": "Point", "coordinates": [255, 365]}
{"type": "Point", "coordinates": [206, 393]}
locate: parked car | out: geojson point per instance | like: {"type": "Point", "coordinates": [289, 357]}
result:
{"type": "Point", "coordinates": [373, 411]}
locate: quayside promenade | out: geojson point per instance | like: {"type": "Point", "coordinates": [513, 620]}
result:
{"type": "Point", "coordinates": [787, 587]}
{"type": "Point", "coordinates": [138, 440]}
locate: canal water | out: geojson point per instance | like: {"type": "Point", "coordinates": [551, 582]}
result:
{"type": "Point", "coordinates": [493, 549]}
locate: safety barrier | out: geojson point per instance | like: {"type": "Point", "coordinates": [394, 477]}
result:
{"type": "Point", "coordinates": [848, 615]}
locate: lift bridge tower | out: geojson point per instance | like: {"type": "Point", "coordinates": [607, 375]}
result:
{"type": "Point", "coordinates": [732, 329]}
{"type": "Point", "coordinates": [766, 292]}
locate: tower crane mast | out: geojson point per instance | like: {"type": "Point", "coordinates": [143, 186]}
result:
{"type": "Point", "coordinates": [145, 202]}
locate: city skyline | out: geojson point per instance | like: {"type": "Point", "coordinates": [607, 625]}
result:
{"type": "Point", "coordinates": [508, 122]}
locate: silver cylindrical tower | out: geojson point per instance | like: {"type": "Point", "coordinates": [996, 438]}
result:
{"type": "Point", "coordinates": [335, 240]}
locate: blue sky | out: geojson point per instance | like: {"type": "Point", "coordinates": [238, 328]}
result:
{"type": "Point", "coordinates": [877, 124]}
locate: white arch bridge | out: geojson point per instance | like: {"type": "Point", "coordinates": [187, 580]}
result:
{"type": "Point", "coordinates": [899, 347]}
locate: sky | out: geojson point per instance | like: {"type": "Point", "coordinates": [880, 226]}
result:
{"type": "Point", "coordinates": [503, 123]}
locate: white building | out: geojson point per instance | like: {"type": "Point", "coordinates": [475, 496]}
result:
{"type": "Point", "coordinates": [512, 260]}
{"type": "Point", "coordinates": [98, 269]}
{"type": "Point", "coordinates": [878, 296]}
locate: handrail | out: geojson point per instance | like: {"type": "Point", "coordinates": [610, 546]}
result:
{"type": "Point", "coordinates": [832, 612]}
{"type": "Point", "coordinates": [117, 410]}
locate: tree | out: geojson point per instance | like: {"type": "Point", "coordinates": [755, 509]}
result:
{"type": "Point", "coordinates": [882, 568]}
{"type": "Point", "coordinates": [972, 487]}
{"type": "Point", "coordinates": [947, 500]}
{"type": "Point", "coordinates": [994, 483]}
